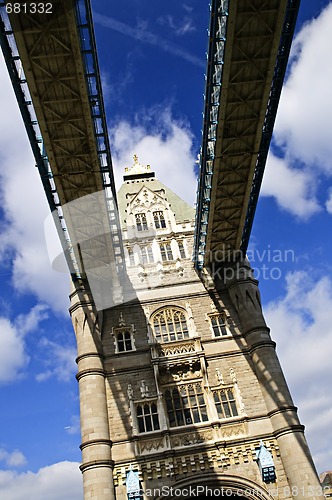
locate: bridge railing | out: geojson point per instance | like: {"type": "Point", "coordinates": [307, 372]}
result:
{"type": "Point", "coordinates": [215, 59]}
{"type": "Point", "coordinates": [98, 115]}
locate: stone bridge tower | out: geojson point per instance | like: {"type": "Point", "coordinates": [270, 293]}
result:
{"type": "Point", "coordinates": [181, 391]}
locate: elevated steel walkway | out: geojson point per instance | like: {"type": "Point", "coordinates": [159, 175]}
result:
{"type": "Point", "coordinates": [249, 45]}
{"type": "Point", "coordinates": [51, 58]}
{"type": "Point", "coordinates": [53, 65]}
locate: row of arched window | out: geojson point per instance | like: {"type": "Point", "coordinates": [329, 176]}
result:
{"type": "Point", "coordinates": [147, 254]}
{"type": "Point", "coordinates": [142, 223]}
{"type": "Point", "coordinates": [169, 324]}
{"type": "Point", "coordinates": [186, 405]}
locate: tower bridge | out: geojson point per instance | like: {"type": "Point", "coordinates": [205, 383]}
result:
{"type": "Point", "coordinates": [53, 65]}
{"type": "Point", "coordinates": [179, 382]}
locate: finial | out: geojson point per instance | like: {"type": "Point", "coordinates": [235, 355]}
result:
{"type": "Point", "coordinates": [137, 168]}
{"type": "Point", "coordinates": [121, 320]}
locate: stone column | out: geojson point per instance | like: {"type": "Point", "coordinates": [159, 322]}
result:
{"type": "Point", "coordinates": [97, 465]}
{"type": "Point", "coordinates": [237, 279]}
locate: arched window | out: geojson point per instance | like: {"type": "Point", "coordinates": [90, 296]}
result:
{"type": "Point", "coordinates": [182, 250]}
{"type": "Point", "coordinates": [185, 405]}
{"type": "Point", "coordinates": [170, 324]}
{"type": "Point", "coordinates": [147, 254]}
{"type": "Point", "coordinates": [147, 417]}
{"type": "Point", "coordinates": [225, 403]}
{"type": "Point", "coordinates": [131, 257]}
{"type": "Point", "coordinates": [141, 222]}
{"type": "Point", "coordinates": [166, 251]}
{"type": "Point", "coordinates": [159, 220]}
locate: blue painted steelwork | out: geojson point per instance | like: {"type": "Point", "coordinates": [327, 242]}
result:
{"type": "Point", "coordinates": [98, 115]}
{"type": "Point", "coordinates": [274, 97]}
{"type": "Point", "coordinates": [94, 92]}
{"type": "Point", "coordinates": [217, 38]}
{"type": "Point", "coordinates": [22, 94]}
{"type": "Point", "coordinates": [215, 60]}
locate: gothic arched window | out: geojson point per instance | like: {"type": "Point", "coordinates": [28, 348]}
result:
{"type": "Point", "coordinates": [225, 403]}
{"type": "Point", "coordinates": [159, 220]}
{"type": "Point", "coordinates": [185, 405]}
{"type": "Point", "coordinates": [131, 256]}
{"type": "Point", "coordinates": [147, 417]}
{"type": "Point", "coordinates": [182, 250]}
{"type": "Point", "coordinates": [147, 254]}
{"type": "Point", "coordinates": [166, 251]}
{"type": "Point", "coordinates": [141, 222]}
{"type": "Point", "coordinates": [170, 324]}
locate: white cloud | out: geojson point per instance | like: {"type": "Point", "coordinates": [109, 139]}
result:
{"type": "Point", "coordinates": [59, 481]}
{"type": "Point", "coordinates": [301, 325]}
{"type": "Point", "coordinates": [304, 119]}
{"type": "Point", "coordinates": [304, 122]}
{"type": "Point", "coordinates": [168, 149]}
{"type": "Point", "coordinates": [24, 204]}
{"type": "Point", "coordinates": [13, 356]}
{"type": "Point", "coordinates": [328, 203]}
{"type": "Point", "coordinates": [293, 188]}
{"type": "Point", "coordinates": [75, 426]}
{"type": "Point", "coordinates": [179, 27]}
{"type": "Point", "coordinates": [26, 323]}
{"type": "Point", "coordinates": [59, 360]}
{"type": "Point", "coordinates": [12, 459]}
{"type": "Point", "coordinates": [140, 33]}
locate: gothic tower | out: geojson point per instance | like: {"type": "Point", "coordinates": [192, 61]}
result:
{"type": "Point", "coordinates": [181, 391]}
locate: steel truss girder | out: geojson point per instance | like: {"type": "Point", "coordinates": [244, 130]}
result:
{"type": "Point", "coordinates": [64, 82]}
{"type": "Point", "coordinates": [256, 41]}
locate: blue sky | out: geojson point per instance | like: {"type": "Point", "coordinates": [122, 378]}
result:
{"type": "Point", "coordinates": [152, 61]}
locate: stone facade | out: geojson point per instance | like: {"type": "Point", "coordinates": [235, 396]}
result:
{"type": "Point", "coordinates": [181, 384]}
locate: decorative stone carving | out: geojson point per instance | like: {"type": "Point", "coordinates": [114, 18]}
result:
{"type": "Point", "coordinates": [175, 350]}
{"type": "Point", "coordinates": [230, 431]}
{"type": "Point", "coordinates": [151, 445]}
{"type": "Point", "coordinates": [121, 320]}
{"type": "Point", "coordinates": [167, 466]}
{"type": "Point", "coordinates": [214, 310]}
{"type": "Point", "coordinates": [189, 310]}
{"type": "Point", "coordinates": [144, 389]}
{"type": "Point", "coordinates": [219, 376]}
{"type": "Point", "coordinates": [130, 392]}
{"type": "Point", "coordinates": [178, 370]}
{"type": "Point", "coordinates": [192, 438]}
{"type": "Point", "coordinates": [137, 168]}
